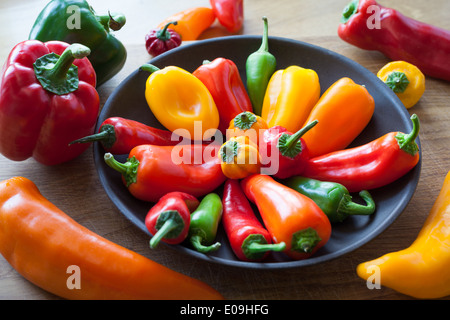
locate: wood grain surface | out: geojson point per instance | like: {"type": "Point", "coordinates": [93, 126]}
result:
{"type": "Point", "coordinates": [75, 188]}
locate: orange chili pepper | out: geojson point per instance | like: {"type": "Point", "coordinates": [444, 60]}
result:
{"type": "Point", "coordinates": [239, 157]}
{"type": "Point", "coordinates": [343, 111]}
{"type": "Point", "coordinates": [191, 22]}
{"type": "Point", "coordinates": [288, 215]}
{"type": "Point", "coordinates": [41, 242]}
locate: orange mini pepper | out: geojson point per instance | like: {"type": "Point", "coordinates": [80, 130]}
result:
{"type": "Point", "coordinates": [288, 215]}
{"type": "Point", "coordinates": [343, 111]}
{"type": "Point", "coordinates": [190, 22]}
{"type": "Point", "coordinates": [239, 157]}
{"type": "Point", "coordinates": [41, 242]}
{"type": "Point", "coordinates": [289, 98]}
{"type": "Point", "coordinates": [247, 124]}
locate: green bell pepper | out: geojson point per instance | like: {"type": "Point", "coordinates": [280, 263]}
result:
{"type": "Point", "coordinates": [204, 223]}
{"type": "Point", "coordinates": [333, 198]}
{"type": "Point", "coordinates": [74, 21]}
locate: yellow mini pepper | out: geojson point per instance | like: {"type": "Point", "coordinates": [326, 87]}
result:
{"type": "Point", "coordinates": [239, 158]}
{"type": "Point", "coordinates": [405, 79]}
{"type": "Point", "coordinates": [290, 96]}
{"type": "Point", "coordinates": [421, 270]}
{"type": "Point", "coordinates": [181, 102]}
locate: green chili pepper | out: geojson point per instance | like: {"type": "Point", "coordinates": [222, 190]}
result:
{"type": "Point", "coordinates": [204, 223]}
{"type": "Point", "coordinates": [74, 21]}
{"type": "Point", "coordinates": [333, 198]}
{"type": "Point", "coordinates": [260, 66]}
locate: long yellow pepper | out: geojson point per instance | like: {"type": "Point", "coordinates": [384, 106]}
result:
{"type": "Point", "coordinates": [290, 96]}
{"type": "Point", "coordinates": [179, 100]}
{"type": "Point", "coordinates": [421, 270]}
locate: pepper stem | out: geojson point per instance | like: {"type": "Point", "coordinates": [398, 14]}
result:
{"type": "Point", "coordinates": [163, 34]}
{"type": "Point", "coordinates": [168, 225]}
{"type": "Point", "coordinates": [305, 240]}
{"type": "Point", "coordinates": [127, 169]}
{"type": "Point", "coordinates": [114, 22]}
{"type": "Point", "coordinates": [57, 74]}
{"type": "Point", "coordinates": [255, 246]}
{"type": "Point", "coordinates": [407, 142]}
{"type": "Point", "coordinates": [244, 120]}
{"type": "Point", "coordinates": [397, 81]}
{"type": "Point", "coordinates": [106, 135]}
{"type": "Point", "coordinates": [149, 67]}
{"type": "Point", "coordinates": [348, 207]}
{"type": "Point", "coordinates": [265, 38]}
{"type": "Point", "coordinates": [196, 242]}
{"type": "Point", "coordinates": [349, 11]}
{"type": "Point", "coordinates": [290, 145]}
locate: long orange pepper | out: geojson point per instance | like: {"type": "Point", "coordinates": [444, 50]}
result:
{"type": "Point", "coordinates": [41, 242]}
{"type": "Point", "coordinates": [343, 111]}
{"type": "Point", "coordinates": [190, 22]}
{"type": "Point", "coordinates": [288, 215]}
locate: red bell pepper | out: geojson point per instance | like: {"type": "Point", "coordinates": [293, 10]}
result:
{"type": "Point", "coordinates": [370, 26]}
{"type": "Point", "coordinates": [152, 171]}
{"type": "Point", "coordinates": [119, 135]}
{"type": "Point", "coordinates": [158, 41]}
{"type": "Point", "coordinates": [230, 13]}
{"type": "Point", "coordinates": [284, 153]}
{"type": "Point", "coordinates": [221, 77]}
{"type": "Point", "coordinates": [47, 99]}
{"type": "Point", "coordinates": [169, 219]}
{"type": "Point", "coordinates": [288, 215]}
{"type": "Point", "coordinates": [248, 238]}
{"type": "Point", "coordinates": [371, 165]}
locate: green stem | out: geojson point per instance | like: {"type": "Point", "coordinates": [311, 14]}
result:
{"type": "Point", "coordinates": [255, 247]}
{"type": "Point", "coordinates": [397, 81]}
{"type": "Point", "coordinates": [407, 142]}
{"type": "Point", "coordinates": [163, 34]}
{"type": "Point", "coordinates": [196, 242]}
{"type": "Point", "coordinates": [244, 120]}
{"type": "Point", "coordinates": [127, 169]}
{"type": "Point", "coordinates": [114, 22]}
{"type": "Point", "coordinates": [59, 71]}
{"type": "Point", "coordinates": [265, 39]}
{"type": "Point", "coordinates": [349, 207]}
{"type": "Point", "coordinates": [106, 135]}
{"type": "Point", "coordinates": [168, 226]}
{"type": "Point", "coordinates": [149, 67]}
{"type": "Point", "coordinates": [290, 145]}
{"type": "Point", "coordinates": [349, 10]}
{"type": "Point", "coordinates": [305, 240]}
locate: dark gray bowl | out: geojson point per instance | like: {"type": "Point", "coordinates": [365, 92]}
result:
{"type": "Point", "coordinates": [128, 101]}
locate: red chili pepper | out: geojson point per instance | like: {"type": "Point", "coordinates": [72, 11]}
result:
{"type": "Point", "coordinates": [158, 41]}
{"type": "Point", "coordinates": [230, 13]}
{"type": "Point", "coordinates": [152, 171]}
{"type": "Point", "coordinates": [369, 166]}
{"type": "Point", "coordinates": [221, 77]}
{"type": "Point", "coordinates": [288, 215]}
{"type": "Point", "coordinates": [248, 238]}
{"type": "Point", "coordinates": [47, 100]}
{"type": "Point", "coordinates": [370, 26]}
{"type": "Point", "coordinates": [169, 219]}
{"type": "Point", "coordinates": [283, 152]}
{"type": "Point", "coordinates": [119, 135]}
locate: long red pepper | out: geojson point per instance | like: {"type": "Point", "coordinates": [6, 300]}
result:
{"type": "Point", "coordinates": [288, 215]}
{"type": "Point", "coordinates": [169, 219]}
{"type": "Point", "coordinates": [369, 166]}
{"type": "Point", "coordinates": [221, 77]}
{"type": "Point", "coordinates": [370, 26]}
{"type": "Point", "coordinates": [248, 238]}
{"type": "Point", "coordinates": [286, 152]}
{"type": "Point", "coordinates": [120, 135]}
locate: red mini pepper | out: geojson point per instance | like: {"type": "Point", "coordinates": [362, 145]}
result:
{"type": "Point", "coordinates": [221, 77]}
{"type": "Point", "coordinates": [158, 41]}
{"type": "Point", "coordinates": [47, 100]}
{"type": "Point", "coordinates": [248, 238]}
{"type": "Point", "coordinates": [230, 13]}
{"type": "Point", "coordinates": [169, 219]}
{"type": "Point", "coordinates": [120, 135]}
{"type": "Point", "coordinates": [371, 165]}
{"type": "Point", "coordinates": [288, 215]}
{"type": "Point", "coordinates": [370, 26]}
{"type": "Point", "coordinates": [285, 153]}
{"type": "Point", "coordinates": [152, 171]}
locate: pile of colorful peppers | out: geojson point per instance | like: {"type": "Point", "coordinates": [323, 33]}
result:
{"type": "Point", "coordinates": [285, 143]}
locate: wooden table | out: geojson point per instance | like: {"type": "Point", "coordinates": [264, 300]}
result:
{"type": "Point", "coordinates": [75, 188]}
